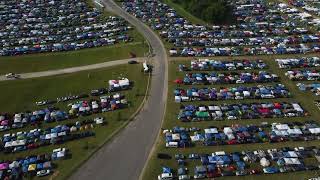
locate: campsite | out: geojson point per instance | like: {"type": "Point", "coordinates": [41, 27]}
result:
{"type": "Point", "coordinates": [77, 124]}
{"type": "Point", "coordinates": [207, 116]}
{"type": "Point", "coordinates": [273, 29]}
{"type": "Point", "coordinates": [156, 89]}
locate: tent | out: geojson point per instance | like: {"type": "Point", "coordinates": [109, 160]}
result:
{"type": "Point", "coordinates": [4, 166]}
{"type": "Point", "coordinates": [32, 167]}
{"type": "Point", "coordinates": [291, 161]}
{"type": "Point", "coordinates": [264, 162]}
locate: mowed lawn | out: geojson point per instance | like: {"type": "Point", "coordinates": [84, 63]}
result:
{"type": "Point", "coordinates": [58, 60]}
{"type": "Point", "coordinates": [154, 166]}
{"type": "Point", "coordinates": [21, 95]}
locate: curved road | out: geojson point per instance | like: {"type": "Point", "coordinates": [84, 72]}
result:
{"type": "Point", "coordinates": [72, 69]}
{"type": "Point", "coordinates": [125, 156]}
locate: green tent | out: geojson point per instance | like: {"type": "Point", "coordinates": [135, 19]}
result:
{"type": "Point", "coordinates": [201, 114]}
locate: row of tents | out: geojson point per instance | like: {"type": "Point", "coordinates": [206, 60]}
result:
{"type": "Point", "coordinates": [180, 137]}
{"type": "Point", "coordinates": [36, 138]}
{"type": "Point", "coordinates": [311, 7]}
{"type": "Point", "coordinates": [106, 103]}
{"type": "Point", "coordinates": [250, 41]}
{"type": "Point", "coordinates": [225, 65]}
{"type": "Point", "coordinates": [240, 92]}
{"type": "Point", "coordinates": [303, 75]}
{"type": "Point", "coordinates": [243, 163]}
{"type": "Point", "coordinates": [313, 87]}
{"type": "Point", "coordinates": [49, 26]}
{"type": "Point", "coordinates": [236, 51]}
{"type": "Point", "coordinates": [113, 86]}
{"type": "Point", "coordinates": [51, 114]}
{"type": "Point", "coordinates": [303, 62]}
{"type": "Point", "coordinates": [40, 165]}
{"type": "Point", "coordinates": [227, 78]}
{"type": "Point", "coordinates": [240, 111]}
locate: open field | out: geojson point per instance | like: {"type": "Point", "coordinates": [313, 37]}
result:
{"type": "Point", "coordinates": [304, 98]}
{"type": "Point", "coordinates": [23, 94]}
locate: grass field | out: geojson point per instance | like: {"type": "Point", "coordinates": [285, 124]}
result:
{"type": "Point", "coordinates": [22, 94]}
{"type": "Point", "coordinates": [154, 165]}
{"type": "Point", "coordinates": [49, 61]}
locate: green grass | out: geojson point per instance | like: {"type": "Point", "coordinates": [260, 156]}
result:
{"type": "Point", "coordinates": [50, 61]}
{"type": "Point", "coordinates": [154, 165]}
{"type": "Point", "coordinates": [23, 93]}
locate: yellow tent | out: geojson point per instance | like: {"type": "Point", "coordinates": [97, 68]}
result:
{"type": "Point", "coordinates": [32, 167]}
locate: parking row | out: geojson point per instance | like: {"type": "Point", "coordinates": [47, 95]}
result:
{"type": "Point", "coordinates": [240, 111]}
{"type": "Point", "coordinates": [37, 138]}
{"type": "Point", "coordinates": [219, 164]}
{"type": "Point", "coordinates": [51, 114]}
{"type": "Point", "coordinates": [33, 165]}
{"type": "Point", "coordinates": [313, 87]}
{"type": "Point", "coordinates": [303, 62]}
{"type": "Point", "coordinates": [236, 93]}
{"type": "Point", "coordinates": [225, 65]}
{"type": "Point", "coordinates": [180, 137]}
{"type": "Point", "coordinates": [312, 7]}
{"type": "Point", "coordinates": [114, 86]}
{"type": "Point", "coordinates": [303, 75]}
{"type": "Point", "coordinates": [227, 78]}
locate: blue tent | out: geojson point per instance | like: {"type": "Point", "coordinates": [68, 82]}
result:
{"type": "Point", "coordinates": [166, 170]}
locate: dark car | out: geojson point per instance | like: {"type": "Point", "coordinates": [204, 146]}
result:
{"type": "Point", "coordinates": [163, 156]}
{"type": "Point", "coordinates": [97, 92]}
{"type": "Point", "coordinates": [132, 62]}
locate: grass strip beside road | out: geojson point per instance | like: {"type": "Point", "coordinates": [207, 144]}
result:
{"type": "Point", "coordinates": [59, 60]}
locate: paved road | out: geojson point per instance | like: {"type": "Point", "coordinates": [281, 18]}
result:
{"type": "Point", "coordinates": [125, 156]}
{"type": "Point", "coordinates": [73, 69]}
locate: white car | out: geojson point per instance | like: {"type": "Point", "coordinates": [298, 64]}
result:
{"type": "Point", "coordinates": [267, 96]}
{"type": "Point", "coordinates": [239, 81]}
{"type": "Point", "coordinates": [184, 177]}
{"type": "Point", "coordinates": [44, 172]}
{"type": "Point", "coordinates": [98, 120]}
{"type": "Point", "coordinates": [12, 75]}
{"type": "Point", "coordinates": [231, 117]}
{"type": "Point", "coordinates": [165, 176]}
{"type": "Point", "coordinates": [238, 97]}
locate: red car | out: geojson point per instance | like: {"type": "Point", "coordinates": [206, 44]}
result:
{"type": "Point", "coordinates": [32, 146]}
{"type": "Point", "coordinates": [232, 142]}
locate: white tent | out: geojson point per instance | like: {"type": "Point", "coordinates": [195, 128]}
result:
{"type": "Point", "coordinates": [227, 130]}
{"type": "Point", "coordinates": [295, 131]}
{"type": "Point", "coordinates": [314, 130]}
{"type": "Point", "coordinates": [211, 131]}
{"type": "Point", "coordinates": [264, 162]}
{"type": "Point", "coordinates": [282, 127]}
{"type": "Point", "coordinates": [291, 161]}
{"type": "Point", "coordinates": [176, 137]}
